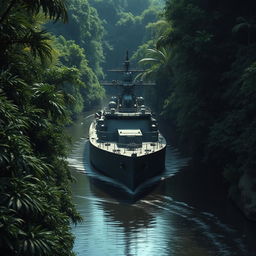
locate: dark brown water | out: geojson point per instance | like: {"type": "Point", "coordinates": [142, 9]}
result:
{"type": "Point", "coordinates": [183, 215]}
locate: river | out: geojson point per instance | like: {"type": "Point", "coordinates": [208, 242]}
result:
{"type": "Point", "coordinates": [183, 215]}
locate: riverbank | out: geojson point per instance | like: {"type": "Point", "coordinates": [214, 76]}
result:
{"type": "Point", "coordinates": [243, 195]}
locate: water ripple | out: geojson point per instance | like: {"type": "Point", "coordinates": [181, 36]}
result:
{"type": "Point", "coordinates": [156, 225]}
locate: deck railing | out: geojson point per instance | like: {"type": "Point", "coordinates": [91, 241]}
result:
{"type": "Point", "coordinates": [131, 148]}
{"type": "Point", "coordinates": [138, 111]}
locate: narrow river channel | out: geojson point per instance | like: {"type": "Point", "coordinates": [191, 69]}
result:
{"type": "Point", "coordinates": [182, 215]}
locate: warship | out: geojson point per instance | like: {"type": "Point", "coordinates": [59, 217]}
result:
{"type": "Point", "coordinates": [124, 140]}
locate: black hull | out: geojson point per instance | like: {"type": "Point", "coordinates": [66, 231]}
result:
{"type": "Point", "coordinates": [131, 171]}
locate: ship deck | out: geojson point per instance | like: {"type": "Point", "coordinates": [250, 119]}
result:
{"type": "Point", "coordinates": [127, 114]}
{"type": "Point", "coordinates": [128, 150]}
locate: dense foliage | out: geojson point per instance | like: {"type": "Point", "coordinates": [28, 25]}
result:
{"type": "Point", "coordinates": [125, 24]}
{"type": "Point", "coordinates": [35, 198]}
{"type": "Point", "coordinates": [86, 29]}
{"type": "Point", "coordinates": [74, 76]}
{"type": "Point", "coordinates": [208, 80]}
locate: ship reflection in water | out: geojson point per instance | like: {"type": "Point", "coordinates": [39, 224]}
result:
{"type": "Point", "coordinates": [152, 224]}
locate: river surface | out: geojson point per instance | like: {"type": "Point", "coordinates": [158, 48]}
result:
{"type": "Point", "coordinates": [185, 214]}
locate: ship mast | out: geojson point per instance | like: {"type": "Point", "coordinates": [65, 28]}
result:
{"type": "Point", "coordinates": [127, 62]}
{"type": "Point", "coordinates": [127, 75]}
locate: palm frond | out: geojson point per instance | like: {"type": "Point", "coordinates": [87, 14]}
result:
{"type": "Point", "coordinates": [160, 54]}
{"type": "Point", "coordinates": [47, 98]}
{"type": "Point", "coordinates": [38, 42]}
{"type": "Point", "coordinates": [147, 60]}
{"type": "Point", "coordinates": [54, 9]}
{"type": "Point", "coordinates": [155, 60]}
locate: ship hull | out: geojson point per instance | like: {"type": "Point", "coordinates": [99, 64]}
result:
{"type": "Point", "coordinates": [131, 171]}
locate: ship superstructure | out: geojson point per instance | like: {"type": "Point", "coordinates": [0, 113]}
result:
{"type": "Point", "coordinates": [125, 143]}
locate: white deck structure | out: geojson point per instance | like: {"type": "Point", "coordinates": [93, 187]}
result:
{"type": "Point", "coordinates": [132, 149]}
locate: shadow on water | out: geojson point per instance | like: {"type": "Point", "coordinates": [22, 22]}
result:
{"type": "Point", "coordinates": [185, 214]}
{"type": "Point", "coordinates": [118, 193]}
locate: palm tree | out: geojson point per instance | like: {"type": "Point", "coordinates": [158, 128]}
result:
{"type": "Point", "coordinates": [46, 97]}
{"type": "Point", "coordinates": [23, 32]}
{"type": "Point", "coordinates": [156, 60]}
{"type": "Point", "coordinates": [54, 9]}
{"type": "Point", "coordinates": [21, 28]}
